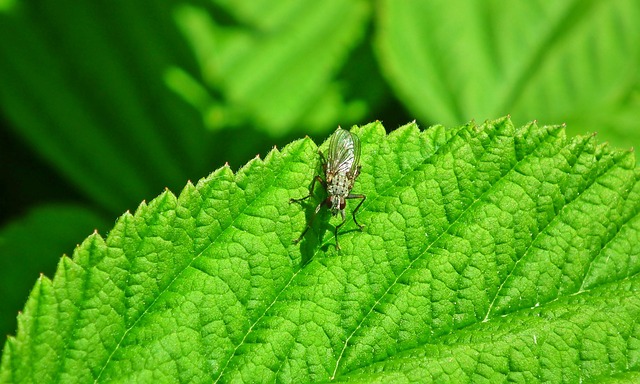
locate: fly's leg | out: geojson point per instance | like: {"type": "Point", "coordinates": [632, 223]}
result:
{"type": "Point", "coordinates": [322, 159]}
{"type": "Point", "coordinates": [362, 199]}
{"type": "Point", "coordinates": [313, 185]}
{"type": "Point", "coordinates": [323, 162]}
{"type": "Point", "coordinates": [296, 241]}
{"type": "Point", "coordinates": [344, 219]}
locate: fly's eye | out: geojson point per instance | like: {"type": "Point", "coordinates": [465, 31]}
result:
{"type": "Point", "coordinates": [343, 204]}
{"type": "Point", "coordinates": [328, 202]}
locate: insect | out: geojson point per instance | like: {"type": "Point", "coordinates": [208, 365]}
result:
{"type": "Point", "coordinates": [341, 168]}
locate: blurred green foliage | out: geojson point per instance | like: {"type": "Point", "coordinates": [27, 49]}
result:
{"type": "Point", "coordinates": [105, 103]}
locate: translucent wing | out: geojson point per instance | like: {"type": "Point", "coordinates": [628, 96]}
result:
{"type": "Point", "coordinates": [344, 153]}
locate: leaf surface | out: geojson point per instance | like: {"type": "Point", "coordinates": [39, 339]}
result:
{"type": "Point", "coordinates": [490, 253]}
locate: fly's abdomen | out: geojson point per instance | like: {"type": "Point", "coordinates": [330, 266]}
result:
{"type": "Point", "coordinates": [340, 185]}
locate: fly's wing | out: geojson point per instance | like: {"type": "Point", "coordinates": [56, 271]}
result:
{"type": "Point", "coordinates": [344, 153]}
{"type": "Point", "coordinates": [354, 169]}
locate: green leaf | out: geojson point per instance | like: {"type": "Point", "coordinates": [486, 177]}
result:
{"type": "Point", "coordinates": [570, 61]}
{"type": "Point", "coordinates": [274, 63]}
{"type": "Point", "coordinates": [490, 253]}
{"type": "Point", "coordinates": [79, 89]}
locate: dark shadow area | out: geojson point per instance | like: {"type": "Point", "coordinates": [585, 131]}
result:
{"type": "Point", "coordinates": [311, 240]}
{"type": "Point", "coordinates": [27, 179]}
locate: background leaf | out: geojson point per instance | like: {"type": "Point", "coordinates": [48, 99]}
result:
{"type": "Point", "coordinates": [29, 247]}
{"type": "Point", "coordinates": [553, 61]}
{"type": "Point", "coordinates": [490, 253]}
{"type": "Point", "coordinates": [75, 92]}
{"type": "Point", "coordinates": [274, 55]}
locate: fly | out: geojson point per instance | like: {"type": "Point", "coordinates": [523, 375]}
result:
{"type": "Point", "coordinates": [341, 168]}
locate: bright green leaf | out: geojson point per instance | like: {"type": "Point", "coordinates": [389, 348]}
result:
{"type": "Point", "coordinates": [490, 254]}
{"type": "Point", "coordinates": [570, 61]}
